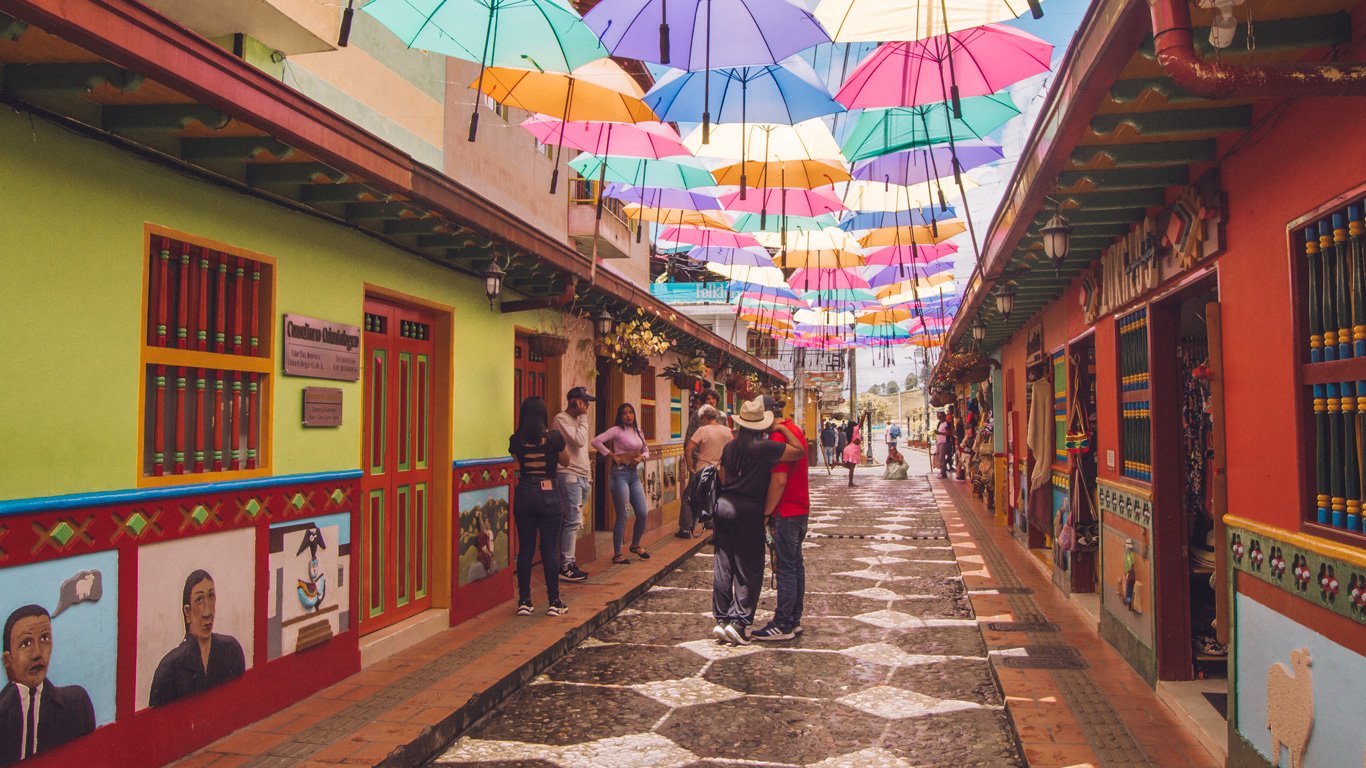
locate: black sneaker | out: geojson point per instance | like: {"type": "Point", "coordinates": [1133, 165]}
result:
{"type": "Point", "coordinates": [684, 534]}
{"type": "Point", "coordinates": [737, 635]}
{"type": "Point", "coordinates": [557, 608]}
{"type": "Point", "coordinates": [573, 574]}
{"type": "Point", "coordinates": [771, 633]}
{"type": "Point", "coordinates": [524, 608]}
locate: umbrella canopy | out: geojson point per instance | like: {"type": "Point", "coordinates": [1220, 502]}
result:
{"type": "Point", "coordinates": [563, 96]}
{"type": "Point", "coordinates": [753, 257]}
{"type": "Point", "coordinates": [919, 233]}
{"type": "Point", "coordinates": [755, 277]}
{"type": "Point", "coordinates": [824, 317]}
{"type": "Point", "coordinates": [790, 201]}
{"type": "Point", "coordinates": [806, 174]}
{"type": "Point", "coordinates": [880, 131]}
{"type": "Point", "coordinates": [977, 61]}
{"type": "Point", "coordinates": [830, 238]}
{"type": "Point", "coordinates": [493, 33]}
{"type": "Point", "coordinates": [850, 21]}
{"type": "Point", "coordinates": [883, 276]}
{"type": "Point", "coordinates": [775, 93]}
{"type": "Point", "coordinates": [662, 197]}
{"type": "Point", "coordinates": [910, 254]}
{"type": "Point", "coordinates": [826, 279]}
{"type": "Point", "coordinates": [676, 217]}
{"type": "Point", "coordinates": [807, 140]}
{"type": "Point", "coordinates": [883, 316]}
{"type": "Point", "coordinates": [707, 237]}
{"type": "Point", "coordinates": [913, 166]}
{"type": "Point", "coordinates": [609, 75]}
{"type": "Point", "coordinates": [679, 173]}
{"type": "Point", "coordinates": [650, 140]}
{"type": "Point", "coordinates": [759, 222]}
{"type": "Point", "coordinates": [878, 196]}
{"type": "Point", "coordinates": [704, 35]}
{"type": "Point", "coordinates": [777, 296]}
{"type": "Point", "coordinates": [881, 332]}
{"type": "Point", "coordinates": [903, 218]}
{"type": "Point", "coordinates": [826, 259]}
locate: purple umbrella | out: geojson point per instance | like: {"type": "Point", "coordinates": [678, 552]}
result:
{"type": "Point", "coordinates": [895, 274]}
{"type": "Point", "coordinates": [627, 28]}
{"type": "Point", "coordinates": [913, 166]}
{"type": "Point", "coordinates": [662, 197]}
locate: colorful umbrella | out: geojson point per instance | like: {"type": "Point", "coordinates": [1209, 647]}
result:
{"type": "Point", "coordinates": [679, 34]}
{"type": "Point", "coordinates": [850, 21]}
{"type": "Point", "coordinates": [750, 277]}
{"type": "Point", "coordinates": [707, 237]}
{"type": "Point", "coordinates": [880, 131]}
{"type": "Point", "coordinates": [650, 140]}
{"type": "Point", "coordinates": [884, 276]}
{"type": "Point", "coordinates": [791, 201]}
{"type": "Point", "coordinates": [679, 173]}
{"type": "Point", "coordinates": [910, 254]}
{"type": "Point", "coordinates": [759, 222]}
{"type": "Point", "coordinates": [918, 233]}
{"type": "Point", "coordinates": [804, 174]}
{"type": "Point", "coordinates": [548, 34]}
{"type": "Point", "coordinates": [903, 218]}
{"type": "Point", "coordinates": [826, 279]}
{"type": "Point", "coordinates": [980, 61]}
{"type": "Point", "coordinates": [831, 238]}
{"type": "Point", "coordinates": [807, 140]}
{"type": "Point", "coordinates": [662, 197]}
{"type": "Point", "coordinates": [913, 166]}
{"type": "Point", "coordinates": [877, 196]}
{"type": "Point", "coordinates": [753, 257]}
{"type": "Point", "coordinates": [883, 316]}
{"type": "Point", "coordinates": [675, 217]}
{"type": "Point", "coordinates": [831, 258]}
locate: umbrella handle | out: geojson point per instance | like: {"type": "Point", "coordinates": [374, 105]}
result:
{"type": "Point", "coordinates": [474, 121]}
{"type": "Point", "coordinates": [554, 179]}
{"type": "Point", "coordinates": [664, 30]}
{"type": "Point", "coordinates": [1035, 9]}
{"type": "Point", "coordinates": [348, 14]}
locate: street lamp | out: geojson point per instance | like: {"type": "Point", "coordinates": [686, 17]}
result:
{"type": "Point", "coordinates": [493, 280]}
{"type": "Point", "coordinates": [1005, 300]}
{"type": "Point", "coordinates": [602, 323]}
{"type": "Point", "coordinates": [1057, 240]}
{"type": "Point", "coordinates": [979, 331]}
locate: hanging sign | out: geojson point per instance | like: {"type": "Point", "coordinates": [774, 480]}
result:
{"type": "Point", "coordinates": [321, 349]}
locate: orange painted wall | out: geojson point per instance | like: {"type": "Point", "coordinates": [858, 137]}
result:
{"type": "Point", "coordinates": [1269, 184]}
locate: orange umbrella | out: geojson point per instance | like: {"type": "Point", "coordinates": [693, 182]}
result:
{"type": "Point", "coordinates": [800, 174]}
{"type": "Point", "coordinates": [919, 234]}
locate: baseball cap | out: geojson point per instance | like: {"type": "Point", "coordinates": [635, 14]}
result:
{"type": "Point", "coordinates": [579, 393]}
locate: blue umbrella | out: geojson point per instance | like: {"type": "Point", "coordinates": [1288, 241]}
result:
{"type": "Point", "coordinates": [786, 93]}
{"type": "Point", "coordinates": [880, 219]}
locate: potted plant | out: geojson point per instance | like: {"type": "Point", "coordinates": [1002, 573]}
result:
{"type": "Point", "coordinates": [686, 374]}
{"type": "Point", "coordinates": [633, 343]}
{"type": "Point", "coordinates": [547, 344]}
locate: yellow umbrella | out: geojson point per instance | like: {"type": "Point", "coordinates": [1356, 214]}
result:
{"type": "Point", "coordinates": [811, 240]}
{"type": "Point", "coordinates": [928, 343]}
{"type": "Point", "coordinates": [769, 277]}
{"type": "Point", "coordinates": [924, 289]}
{"type": "Point", "coordinates": [791, 174]}
{"type": "Point", "coordinates": [883, 316]}
{"type": "Point", "coordinates": [676, 217]}
{"type": "Point", "coordinates": [877, 196]}
{"type": "Point", "coordinates": [567, 97]}
{"type": "Point", "coordinates": [827, 257]}
{"type": "Point", "coordinates": [921, 234]}
{"type": "Point", "coordinates": [809, 140]}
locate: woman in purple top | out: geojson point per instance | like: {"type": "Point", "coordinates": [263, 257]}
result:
{"type": "Point", "coordinates": [625, 447]}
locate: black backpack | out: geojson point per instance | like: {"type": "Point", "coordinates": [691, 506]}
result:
{"type": "Point", "coordinates": [701, 494]}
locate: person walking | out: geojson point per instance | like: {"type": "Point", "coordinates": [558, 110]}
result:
{"type": "Point", "coordinates": [828, 441]}
{"type": "Point", "coordinates": [573, 480]}
{"type": "Point", "coordinates": [853, 454]}
{"type": "Point", "coordinates": [891, 436]}
{"type": "Point", "coordinates": [706, 398]}
{"type": "Point", "coordinates": [703, 449]}
{"type": "Point", "coordinates": [788, 524]}
{"type": "Point", "coordinates": [943, 433]}
{"type": "Point", "coordinates": [745, 499]}
{"type": "Point", "coordinates": [535, 503]}
{"type": "Point", "coordinates": [625, 447]}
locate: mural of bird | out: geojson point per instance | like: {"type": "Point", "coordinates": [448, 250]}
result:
{"type": "Point", "coordinates": [312, 591]}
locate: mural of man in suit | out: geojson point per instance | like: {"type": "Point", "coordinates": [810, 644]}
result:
{"type": "Point", "coordinates": [36, 715]}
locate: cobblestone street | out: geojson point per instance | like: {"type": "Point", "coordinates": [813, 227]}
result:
{"type": "Point", "coordinates": [891, 670]}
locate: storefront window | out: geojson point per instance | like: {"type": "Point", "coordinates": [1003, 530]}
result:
{"type": "Point", "coordinates": [207, 359]}
{"type": "Point", "coordinates": [1333, 291]}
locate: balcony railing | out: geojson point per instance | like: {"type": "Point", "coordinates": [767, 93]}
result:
{"type": "Point", "coordinates": [584, 192]}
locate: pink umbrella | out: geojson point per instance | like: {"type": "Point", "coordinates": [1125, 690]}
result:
{"type": "Point", "coordinates": [894, 255]}
{"type": "Point", "coordinates": [792, 202]}
{"type": "Point", "coordinates": [648, 140]}
{"type": "Point", "coordinates": [708, 238]}
{"type": "Point", "coordinates": [774, 299]}
{"type": "Point", "coordinates": [827, 279]}
{"type": "Point", "coordinates": [980, 61]}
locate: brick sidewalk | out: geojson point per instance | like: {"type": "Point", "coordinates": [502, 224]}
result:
{"type": "Point", "coordinates": [403, 710]}
{"type": "Point", "coordinates": [1097, 712]}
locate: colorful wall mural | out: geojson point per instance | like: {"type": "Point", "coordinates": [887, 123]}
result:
{"type": "Point", "coordinates": [484, 533]}
{"type": "Point", "coordinates": [194, 593]}
{"type": "Point", "coordinates": [308, 583]}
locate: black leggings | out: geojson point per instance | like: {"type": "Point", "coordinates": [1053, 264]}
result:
{"type": "Point", "coordinates": [536, 511]}
{"type": "Point", "coordinates": [738, 567]}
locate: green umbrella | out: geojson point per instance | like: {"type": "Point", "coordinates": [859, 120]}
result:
{"type": "Point", "coordinates": [753, 222]}
{"type": "Point", "coordinates": [547, 35]}
{"type": "Point", "coordinates": [882, 131]}
{"type": "Point", "coordinates": [642, 172]}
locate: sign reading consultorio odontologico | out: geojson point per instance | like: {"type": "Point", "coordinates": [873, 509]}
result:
{"type": "Point", "coordinates": [321, 349]}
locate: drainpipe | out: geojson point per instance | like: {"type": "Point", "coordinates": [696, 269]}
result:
{"type": "Point", "coordinates": [571, 283]}
{"type": "Point", "coordinates": [1175, 48]}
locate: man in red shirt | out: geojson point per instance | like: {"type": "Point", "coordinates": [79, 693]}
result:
{"type": "Point", "coordinates": [789, 482]}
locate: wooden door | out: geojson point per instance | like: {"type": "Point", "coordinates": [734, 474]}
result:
{"type": "Point", "coordinates": [528, 377]}
{"type": "Point", "coordinates": [395, 559]}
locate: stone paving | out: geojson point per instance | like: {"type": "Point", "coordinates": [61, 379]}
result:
{"type": "Point", "coordinates": [891, 670]}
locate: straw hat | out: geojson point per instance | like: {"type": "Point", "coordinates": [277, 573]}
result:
{"type": "Point", "coordinates": [753, 415]}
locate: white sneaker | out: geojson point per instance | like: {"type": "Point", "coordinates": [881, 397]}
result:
{"type": "Point", "coordinates": [719, 631]}
{"type": "Point", "coordinates": [736, 635]}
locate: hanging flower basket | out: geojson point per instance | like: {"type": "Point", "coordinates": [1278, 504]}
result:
{"type": "Point", "coordinates": [634, 365]}
{"type": "Point", "coordinates": [633, 344]}
{"type": "Point", "coordinates": [685, 375]}
{"type": "Point", "coordinates": [547, 344]}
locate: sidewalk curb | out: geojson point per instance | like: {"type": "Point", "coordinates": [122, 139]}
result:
{"type": "Point", "coordinates": [437, 738]}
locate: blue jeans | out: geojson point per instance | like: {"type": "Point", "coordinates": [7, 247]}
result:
{"type": "Point", "coordinates": [573, 492]}
{"type": "Point", "coordinates": [536, 513]}
{"type": "Point", "coordinates": [790, 570]}
{"type": "Point", "coordinates": [829, 451]}
{"type": "Point", "coordinates": [625, 484]}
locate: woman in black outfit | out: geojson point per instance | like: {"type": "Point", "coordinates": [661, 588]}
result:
{"type": "Point", "coordinates": [535, 503]}
{"type": "Point", "coordinates": [743, 501]}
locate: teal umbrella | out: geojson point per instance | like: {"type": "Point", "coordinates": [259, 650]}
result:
{"type": "Point", "coordinates": [642, 172]}
{"type": "Point", "coordinates": [754, 222]}
{"type": "Point", "coordinates": [547, 35]}
{"type": "Point", "coordinates": [882, 131]}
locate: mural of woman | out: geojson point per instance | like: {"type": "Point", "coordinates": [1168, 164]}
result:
{"type": "Point", "coordinates": [203, 659]}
